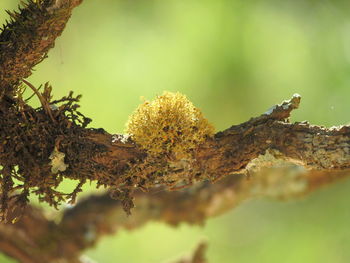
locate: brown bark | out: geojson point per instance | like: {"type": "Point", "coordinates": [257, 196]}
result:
{"type": "Point", "coordinates": [312, 147]}
{"type": "Point", "coordinates": [265, 156]}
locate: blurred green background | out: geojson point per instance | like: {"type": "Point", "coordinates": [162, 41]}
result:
{"type": "Point", "coordinates": [234, 59]}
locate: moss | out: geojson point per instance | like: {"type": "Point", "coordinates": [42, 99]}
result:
{"type": "Point", "coordinates": [34, 148]}
{"type": "Point", "coordinates": [170, 124]}
{"type": "Point", "coordinates": [168, 129]}
{"type": "Point", "coordinates": [27, 36]}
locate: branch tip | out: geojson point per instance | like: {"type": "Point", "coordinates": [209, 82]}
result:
{"type": "Point", "coordinates": [282, 111]}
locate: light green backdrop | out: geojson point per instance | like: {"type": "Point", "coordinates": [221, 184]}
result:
{"type": "Point", "coordinates": [233, 59]}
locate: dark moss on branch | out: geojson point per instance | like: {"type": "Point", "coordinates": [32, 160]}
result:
{"type": "Point", "coordinates": [31, 142]}
{"type": "Point", "coordinates": [26, 38]}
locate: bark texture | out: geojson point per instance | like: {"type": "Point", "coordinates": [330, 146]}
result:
{"type": "Point", "coordinates": [265, 156]}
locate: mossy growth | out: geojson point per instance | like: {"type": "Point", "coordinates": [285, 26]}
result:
{"type": "Point", "coordinates": [169, 125]}
{"type": "Point", "coordinates": [39, 147]}
{"type": "Point", "coordinates": [169, 129]}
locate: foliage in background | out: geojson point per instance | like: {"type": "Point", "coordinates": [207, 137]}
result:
{"type": "Point", "coordinates": [232, 59]}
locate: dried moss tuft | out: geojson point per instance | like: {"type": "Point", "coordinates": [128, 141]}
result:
{"type": "Point", "coordinates": [26, 37]}
{"type": "Point", "coordinates": [169, 129]}
{"type": "Point", "coordinates": [170, 124]}
{"type": "Point", "coordinates": [38, 150]}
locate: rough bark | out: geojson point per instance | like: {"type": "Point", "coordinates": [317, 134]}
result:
{"type": "Point", "coordinates": [265, 156]}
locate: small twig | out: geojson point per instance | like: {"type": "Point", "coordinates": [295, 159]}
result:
{"type": "Point", "coordinates": [31, 96]}
{"type": "Point", "coordinates": [44, 103]}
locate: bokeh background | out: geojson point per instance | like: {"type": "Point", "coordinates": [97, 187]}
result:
{"type": "Point", "coordinates": [234, 59]}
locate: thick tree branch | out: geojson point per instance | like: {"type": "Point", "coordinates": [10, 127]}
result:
{"type": "Point", "coordinates": [115, 161]}
{"type": "Point", "coordinates": [269, 136]}
{"type": "Point", "coordinates": [40, 147]}
{"type": "Point", "coordinates": [267, 168]}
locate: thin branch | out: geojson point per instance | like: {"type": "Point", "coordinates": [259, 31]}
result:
{"type": "Point", "coordinates": [44, 103]}
{"type": "Point", "coordinates": [83, 225]}
{"type": "Point", "coordinates": [102, 215]}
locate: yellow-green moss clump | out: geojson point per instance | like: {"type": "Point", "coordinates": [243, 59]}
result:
{"type": "Point", "coordinates": [170, 124]}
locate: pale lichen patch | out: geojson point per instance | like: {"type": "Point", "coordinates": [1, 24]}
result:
{"type": "Point", "coordinates": [329, 152]}
{"type": "Point", "coordinates": [275, 176]}
{"type": "Point", "coordinates": [57, 161]}
{"type": "Point", "coordinates": [122, 138]}
{"type": "Point", "coordinates": [270, 110]}
{"type": "Point", "coordinates": [271, 158]}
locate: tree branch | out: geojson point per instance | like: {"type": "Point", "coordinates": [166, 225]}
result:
{"type": "Point", "coordinates": [84, 224]}
{"type": "Point", "coordinates": [115, 161]}
{"type": "Point", "coordinates": [266, 156]}
{"type": "Point", "coordinates": [27, 37]}
{"type": "Point", "coordinates": [64, 148]}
